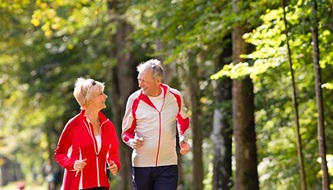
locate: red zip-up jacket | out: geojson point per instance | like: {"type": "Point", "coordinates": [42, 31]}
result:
{"type": "Point", "coordinates": [77, 141]}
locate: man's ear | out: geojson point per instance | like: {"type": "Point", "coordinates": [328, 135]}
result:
{"type": "Point", "coordinates": [159, 80]}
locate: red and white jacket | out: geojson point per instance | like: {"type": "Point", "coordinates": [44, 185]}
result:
{"type": "Point", "coordinates": [77, 141]}
{"type": "Point", "coordinates": [158, 128]}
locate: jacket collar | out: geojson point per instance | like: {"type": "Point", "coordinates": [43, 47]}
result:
{"type": "Point", "coordinates": [146, 99]}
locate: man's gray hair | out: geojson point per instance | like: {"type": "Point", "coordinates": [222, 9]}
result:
{"type": "Point", "coordinates": [154, 65]}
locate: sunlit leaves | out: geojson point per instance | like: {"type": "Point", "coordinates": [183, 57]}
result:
{"type": "Point", "coordinates": [329, 160]}
{"type": "Point", "coordinates": [328, 85]}
{"type": "Point", "coordinates": [271, 51]}
{"type": "Point", "coordinates": [61, 18]}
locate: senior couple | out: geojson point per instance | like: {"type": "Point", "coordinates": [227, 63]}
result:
{"type": "Point", "coordinates": [154, 115]}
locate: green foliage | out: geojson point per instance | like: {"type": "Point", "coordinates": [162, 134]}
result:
{"type": "Point", "coordinates": [40, 63]}
{"type": "Point", "coordinates": [275, 116]}
{"type": "Point", "coordinates": [46, 45]}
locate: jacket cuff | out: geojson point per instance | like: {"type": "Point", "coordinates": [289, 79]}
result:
{"type": "Point", "coordinates": [182, 138]}
{"type": "Point", "coordinates": [130, 143]}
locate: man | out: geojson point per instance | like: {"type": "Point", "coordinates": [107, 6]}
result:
{"type": "Point", "coordinates": [152, 118]}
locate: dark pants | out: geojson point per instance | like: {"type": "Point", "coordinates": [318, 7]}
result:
{"type": "Point", "coordinates": [155, 178]}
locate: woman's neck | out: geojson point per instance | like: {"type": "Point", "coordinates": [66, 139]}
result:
{"type": "Point", "coordinates": [92, 116]}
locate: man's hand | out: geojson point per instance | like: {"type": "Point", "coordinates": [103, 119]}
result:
{"type": "Point", "coordinates": [137, 142]}
{"type": "Point", "coordinates": [184, 147]}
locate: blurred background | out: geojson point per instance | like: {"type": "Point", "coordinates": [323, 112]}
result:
{"type": "Point", "coordinates": [256, 78]}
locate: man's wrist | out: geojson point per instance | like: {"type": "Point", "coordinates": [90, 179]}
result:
{"type": "Point", "coordinates": [182, 139]}
{"type": "Point", "coordinates": [130, 142]}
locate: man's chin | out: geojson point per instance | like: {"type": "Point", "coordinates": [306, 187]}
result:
{"type": "Point", "coordinates": [144, 92]}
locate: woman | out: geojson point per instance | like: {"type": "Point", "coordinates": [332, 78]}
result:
{"type": "Point", "coordinates": [88, 145]}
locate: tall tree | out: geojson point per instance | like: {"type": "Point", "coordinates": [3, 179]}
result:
{"type": "Point", "coordinates": [295, 103]}
{"type": "Point", "coordinates": [222, 129]}
{"type": "Point", "coordinates": [319, 97]}
{"type": "Point", "coordinates": [197, 136]}
{"type": "Point", "coordinates": [123, 71]}
{"type": "Point", "coordinates": [243, 114]}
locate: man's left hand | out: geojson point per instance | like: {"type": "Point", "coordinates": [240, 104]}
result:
{"type": "Point", "coordinates": [184, 147]}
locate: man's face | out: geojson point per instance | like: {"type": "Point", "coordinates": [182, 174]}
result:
{"type": "Point", "coordinates": [149, 85]}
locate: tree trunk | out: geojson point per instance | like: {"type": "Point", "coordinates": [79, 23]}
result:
{"type": "Point", "coordinates": [197, 180]}
{"type": "Point", "coordinates": [319, 98]}
{"type": "Point", "coordinates": [245, 138]}
{"type": "Point", "coordinates": [123, 71]}
{"type": "Point", "coordinates": [295, 105]}
{"type": "Point", "coordinates": [243, 118]}
{"type": "Point", "coordinates": [222, 130]}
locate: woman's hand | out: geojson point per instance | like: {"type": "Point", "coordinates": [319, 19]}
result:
{"type": "Point", "coordinates": [79, 164]}
{"type": "Point", "coordinates": [113, 168]}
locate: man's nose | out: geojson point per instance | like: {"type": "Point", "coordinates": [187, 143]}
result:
{"type": "Point", "coordinates": [140, 83]}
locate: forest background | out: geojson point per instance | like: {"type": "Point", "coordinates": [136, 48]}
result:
{"type": "Point", "coordinates": [256, 77]}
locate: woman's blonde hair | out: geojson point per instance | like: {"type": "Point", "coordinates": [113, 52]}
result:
{"type": "Point", "coordinates": [87, 89]}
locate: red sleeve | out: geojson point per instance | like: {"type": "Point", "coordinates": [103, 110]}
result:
{"type": "Point", "coordinates": [183, 124]}
{"type": "Point", "coordinates": [182, 117]}
{"type": "Point", "coordinates": [129, 120]}
{"type": "Point", "coordinates": [63, 146]}
{"type": "Point", "coordinates": [114, 149]}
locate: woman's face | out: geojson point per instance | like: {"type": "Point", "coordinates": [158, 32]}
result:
{"type": "Point", "coordinates": [98, 102]}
